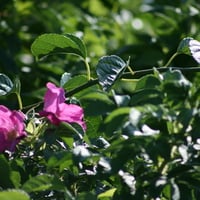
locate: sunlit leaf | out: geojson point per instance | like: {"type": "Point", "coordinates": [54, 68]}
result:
{"type": "Point", "coordinates": [6, 84]}
{"type": "Point", "coordinates": [65, 78]}
{"type": "Point", "coordinates": [108, 193]}
{"type": "Point", "coordinates": [51, 43]}
{"type": "Point", "coordinates": [184, 46]}
{"type": "Point", "coordinates": [175, 191]}
{"type": "Point", "coordinates": [75, 82]}
{"type": "Point", "coordinates": [129, 180]}
{"type": "Point", "coordinates": [80, 153]}
{"type": "Point", "coordinates": [121, 100]}
{"type": "Point", "coordinates": [14, 194]}
{"type": "Point", "coordinates": [109, 69]}
{"type": "Point", "coordinates": [191, 47]}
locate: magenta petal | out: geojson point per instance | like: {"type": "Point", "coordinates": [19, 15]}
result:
{"type": "Point", "coordinates": [12, 128]}
{"type": "Point", "coordinates": [50, 116]}
{"type": "Point", "coordinates": [72, 114]}
{"type": "Point", "coordinates": [57, 111]}
{"type": "Point", "coordinates": [53, 97]}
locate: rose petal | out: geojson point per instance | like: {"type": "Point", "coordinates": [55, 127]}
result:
{"type": "Point", "coordinates": [53, 97]}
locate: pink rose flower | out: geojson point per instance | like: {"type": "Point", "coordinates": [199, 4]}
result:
{"type": "Point", "coordinates": [12, 128]}
{"type": "Point", "coordinates": [56, 110]}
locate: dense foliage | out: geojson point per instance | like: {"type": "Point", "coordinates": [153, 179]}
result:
{"type": "Point", "coordinates": [129, 126]}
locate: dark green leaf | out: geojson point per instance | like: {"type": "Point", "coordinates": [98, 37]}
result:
{"type": "Point", "coordinates": [86, 195]}
{"type": "Point", "coordinates": [68, 130]}
{"type": "Point", "coordinates": [109, 69]}
{"type": "Point", "coordinates": [5, 173]}
{"type": "Point", "coordinates": [147, 82]}
{"type": "Point", "coordinates": [116, 119]}
{"type": "Point", "coordinates": [96, 103]}
{"type": "Point", "coordinates": [47, 44]}
{"type": "Point", "coordinates": [38, 183]}
{"type": "Point", "coordinates": [6, 85]}
{"type": "Point", "coordinates": [150, 96]}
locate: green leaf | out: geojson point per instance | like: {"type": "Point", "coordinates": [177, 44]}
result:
{"type": "Point", "coordinates": [5, 173]}
{"type": "Point", "coordinates": [74, 82]}
{"type": "Point", "coordinates": [93, 123]}
{"type": "Point", "coordinates": [184, 46]}
{"type": "Point", "coordinates": [86, 195]}
{"type": "Point", "coordinates": [38, 183]}
{"type": "Point", "coordinates": [108, 193]}
{"type": "Point", "coordinates": [191, 47]}
{"type": "Point", "coordinates": [61, 159]}
{"type": "Point", "coordinates": [66, 130]}
{"type": "Point", "coordinates": [148, 81]}
{"type": "Point", "coordinates": [109, 69]}
{"type": "Point", "coordinates": [48, 44]}
{"type": "Point", "coordinates": [6, 85]}
{"type": "Point", "coordinates": [115, 119]}
{"type": "Point", "coordinates": [16, 178]}
{"type": "Point", "coordinates": [176, 78]}
{"type": "Point", "coordinates": [96, 103]}
{"type": "Point", "coordinates": [150, 96]}
{"type": "Point", "coordinates": [14, 194]}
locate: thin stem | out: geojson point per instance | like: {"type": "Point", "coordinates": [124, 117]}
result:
{"type": "Point", "coordinates": [170, 60]}
{"type": "Point", "coordinates": [32, 105]}
{"type": "Point", "coordinates": [87, 68]}
{"type": "Point", "coordinates": [124, 76]}
{"type": "Point", "coordinates": [161, 69]}
{"type": "Point", "coordinates": [131, 71]}
{"type": "Point", "coordinates": [82, 87]}
{"type": "Point", "coordinates": [19, 101]}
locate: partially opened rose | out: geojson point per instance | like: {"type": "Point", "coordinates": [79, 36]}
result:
{"type": "Point", "coordinates": [12, 128]}
{"type": "Point", "coordinates": [57, 111]}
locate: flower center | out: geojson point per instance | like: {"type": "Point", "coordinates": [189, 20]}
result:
{"type": "Point", "coordinates": [12, 135]}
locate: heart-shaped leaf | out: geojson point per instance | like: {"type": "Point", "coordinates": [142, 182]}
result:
{"type": "Point", "coordinates": [51, 43]}
{"type": "Point", "coordinates": [109, 69]}
{"type": "Point", "coordinates": [191, 47]}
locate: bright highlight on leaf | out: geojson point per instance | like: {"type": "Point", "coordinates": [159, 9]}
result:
{"type": "Point", "coordinates": [109, 69]}
{"type": "Point", "coordinates": [48, 44]}
{"type": "Point", "coordinates": [6, 85]}
{"type": "Point", "coordinates": [191, 47]}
